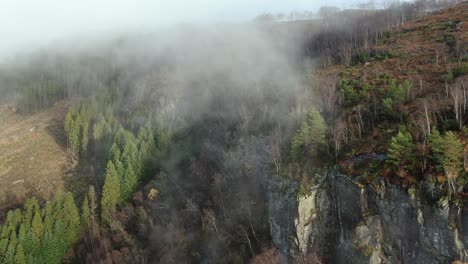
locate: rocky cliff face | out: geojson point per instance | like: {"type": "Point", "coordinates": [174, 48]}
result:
{"type": "Point", "coordinates": [344, 222]}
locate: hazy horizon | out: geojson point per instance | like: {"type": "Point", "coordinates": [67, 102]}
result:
{"type": "Point", "coordinates": [28, 25]}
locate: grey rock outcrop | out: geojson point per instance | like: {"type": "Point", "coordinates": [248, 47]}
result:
{"type": "Point", "coordinates": [345, 222]}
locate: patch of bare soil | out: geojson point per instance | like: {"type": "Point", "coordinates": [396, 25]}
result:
{"type": "Point", "coordinates": [33, 155]}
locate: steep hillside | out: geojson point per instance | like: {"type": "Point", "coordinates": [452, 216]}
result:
{"type": "Point", "coordinates": [397, 117]}
{"type": "Point", "coordinates": [425, 64]}
{"type": "Point", "coordinates": [424, 49]}
{"type": "Point", "coordinates": [339, 140]}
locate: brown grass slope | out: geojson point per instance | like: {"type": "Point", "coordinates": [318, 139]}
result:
{"type": "Point", "coordinates": [424, 52]}
{"type": "Point", "coordinates": [420, 50]}
{"type": "Point", "coordinates": [33, 154]}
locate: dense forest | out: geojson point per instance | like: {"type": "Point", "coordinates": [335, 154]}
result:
{"type": "Point", "coordinates": [179, 136]}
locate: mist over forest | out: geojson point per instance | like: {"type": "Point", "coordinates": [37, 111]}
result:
{"type": "Point", "coordinates": [332, 135]}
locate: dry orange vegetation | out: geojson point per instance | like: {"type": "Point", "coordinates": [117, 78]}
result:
{"type": "Point", "coordinates": [420, 50]}
{"type": "Point", "coordinates": [423, 52]}
{"type": "Point", "coordinates": [33, 154]}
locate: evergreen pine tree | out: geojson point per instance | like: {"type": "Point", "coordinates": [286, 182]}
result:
{"type": "Point", "coordinates": [37, 224]}
{"type": "Point", "coordinates": [22, 232]}
{"type": "Point", "coordinates": [57, 204]}
{"type": "Point", "coordinates": [110, 191]}
{"type": "Point", "coordinates": [98, 128]}
{"type": "Point", "coordinates": [13, 239]}
{"type": "Point", "coordinates": [30, 205]}
{"type": "Point", "coordinates": [92, 203]}
{"type": "Point", "coordinates": [130, 154]}
{"type": "Point", "coordinates": [31, 259]}
{"type": "Point", "coordinates": [120, 169]}
{"type": "Point", "coordinates": [9, 257]}
{"type": "Point", "coordinates": [5, 233]}
{"type": "Point", "coordinates": [310, 137]}
{"type": "Point", "coordinates": [447, 152]}
{"type": "Point", "coordinates": [3, 246]}
{"type": "Point", "coordinates": [18, 217]}
{"type": "Point", "coordinates": [146, 146]}
{"type": "Point", "coordinates": [50, 249]}
{"type": "Point", "coordinates": [401, 152]}
{"type": "Point", "coordinates": [451, 161]}
{"type": "Point", "coordinates": [75, 136]}
{"type": "Point", "coordinates": [120, 137]}
{"type": "Point", "coordinates": [31, 244]}
{"type": "Point", "coordinates": [61, 238]}
{"type": "Point", "coordinates": [72, 217]}
{"type": "Point", "coordinates": [10, 220]}
{"type": "Point", "coordinates": [49, 217]}
{"type": "Point", "coordinates": [129, 183]}
{"type": "Point", "coordinates": [20, 256]}
{"type": "Point", "coordinates": [114, 152]}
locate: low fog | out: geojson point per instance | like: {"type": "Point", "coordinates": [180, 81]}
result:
{"type": "Point", "coordinates": [27, 25]}
{"type": "Point", "coordinates": [228, 94]}
{"type": "Point", "coordinates": [200, 99]}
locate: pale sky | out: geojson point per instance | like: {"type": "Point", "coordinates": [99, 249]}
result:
{"type": "Point", "coordinates": [26, 24]}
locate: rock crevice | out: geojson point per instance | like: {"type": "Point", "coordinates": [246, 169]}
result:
{"type": "Point", "coordinates": [345, 222]}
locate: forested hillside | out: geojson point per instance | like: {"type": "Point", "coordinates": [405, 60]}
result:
{"type": "Point", "coordinates": [170, 147]}
{"type": "Point", "coordinates": [406, 100]}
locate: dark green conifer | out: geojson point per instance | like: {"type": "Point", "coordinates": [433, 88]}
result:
{"type": "Point", "coordinates": [85, 212]}
{"type": "Point", "coordinates": [110, 191]}
{"type": "Point", "coordinates": [130, 181]}
{"type": "Point", "coordinates": [37, 224]}
{"type": "Point", "coordinates": [72, 217]}
{"type": "Point", "coordinates": [20, 256]}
